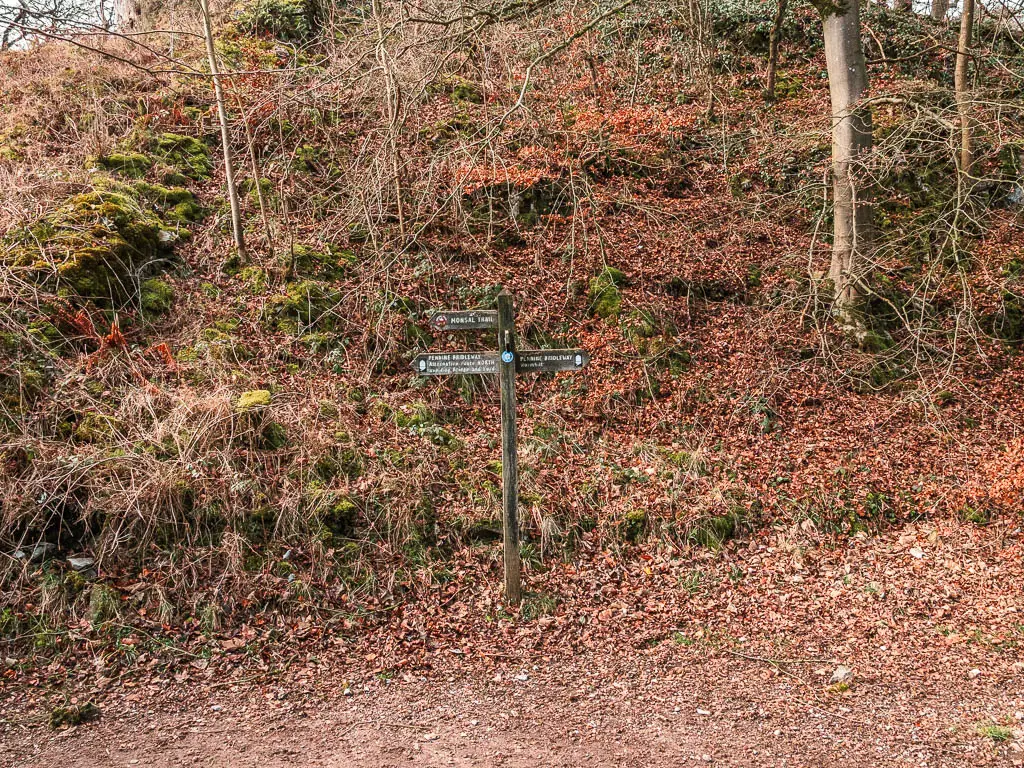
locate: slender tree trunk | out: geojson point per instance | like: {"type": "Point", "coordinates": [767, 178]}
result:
{"type": "Point", "coordinates": [254, 165]}
{"type": "Point", "coordinates": [851, 139]}
{"type": "Point", "coordinates": [773, 50]}
{"type": "Point", "coordinates": [101, 11]}
{"type": "Point", "coordinates": [962, 87]}
{"type": "Point", "coordinates": [903, 5]}
{"type": "Point", "coordinates": [939, 9]}
{"type": "Point", "coordinates": [393, 96]}
{"type": "Point", "coordinates": [225, 136]}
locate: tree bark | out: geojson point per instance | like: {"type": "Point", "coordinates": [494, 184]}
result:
{"type": "Point", "coordinates": [773, 50]}
{"type": "Point", "coordinates": [962, 87]}
{"type": "Point", "coordinates": [127, 14]}
{"type": "Point", "coordinates": [225, 135]}
{"type": "Point", "coordinates": [903, 5]}
{"type": "Point", "coordinates": [939, 9]}
{"type": "Point", "coordinates": [851, 140]}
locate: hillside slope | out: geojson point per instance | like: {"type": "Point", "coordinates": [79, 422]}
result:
{"type": "Point", "coordinates": [235, 441]}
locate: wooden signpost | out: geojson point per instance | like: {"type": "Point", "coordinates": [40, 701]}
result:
{"type": "Point", "coordinates": [506, 363]}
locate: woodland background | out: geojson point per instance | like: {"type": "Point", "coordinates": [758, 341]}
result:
{"type": "Point", "coordinates": [211, 435]}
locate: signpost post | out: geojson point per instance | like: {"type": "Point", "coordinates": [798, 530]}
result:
{"type": "Point", "coordinates": [506, 363]}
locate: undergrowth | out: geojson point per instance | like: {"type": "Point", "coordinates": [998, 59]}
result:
{"type": "Point", "coordinates": [248, 433]}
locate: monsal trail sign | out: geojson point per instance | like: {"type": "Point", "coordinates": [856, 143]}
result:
{"type": "Point", "coordinates": [506, 362]}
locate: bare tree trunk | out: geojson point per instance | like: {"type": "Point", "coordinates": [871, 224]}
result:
{"type": "Point", "coordinates": [225, 136]}
{"type": "Point", "coordinates": [903, 5]}
{"type": "Point", "coordinates": [962, 88]}
{"type": "Point", "coordinates": [851, 139]}
{"type": "Point", "coordinates": [939, 9]}
{"type": "Point", "coordinates": [127, 14]}
{"type": "Point", "coordinates": [773, 50]}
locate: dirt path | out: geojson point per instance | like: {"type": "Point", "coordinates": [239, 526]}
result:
{"type": "Point", "coordinates": [639, 672]}
{"type": "Point", "coordinates": [669, 709]}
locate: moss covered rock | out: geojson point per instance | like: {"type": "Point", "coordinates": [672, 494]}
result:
{"type": "Point", "coordinates": [605, 296]}
{"type": "Point", "coordinates": [104, 603]}
{"type": "Point", "coordinates": [21, 383]}
{"type": "Point", "coordinates": [96, 428]}
{"type": "Point", "coordinates": [175, 179]}
{"type": "Point", "coordinates": [254, 278]}
{"type": "Point", "coordinates": [175, 204]}
{"type": "Point", "coordinates": [73, 714]}
{"type": "Point", "coordinates": [287, 20]}
{"type": "Point", "coordinates": [339, 461]}
{"type": "Point", "coordinates": [713, 532]}
{"type": "Point", "coordinates": [302, 304]}
{"type": "Point", "coordinates": [101, 245]}
{"type": "Point", "coordinates": [633, 525]}
{"type": "Point", "coordinates": [339, 519]}
{"type": "Point", "coordinates": [187, 155]}
{"type": "Point", "coordinates": [252, 400]}
{"type": "Point", "coordinates": [217, 344]}
{"type": "Point", "coordinates": [134, 165]}
{"type": "Point", "coordinates": [94, 247]}
{"type": "Point", "coordinates": [273, 436]}
{"type": "Point", "coordinates": [328, 264]}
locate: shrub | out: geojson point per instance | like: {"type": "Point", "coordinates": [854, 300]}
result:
{"type": "Point", "coordinates": [287, 20]}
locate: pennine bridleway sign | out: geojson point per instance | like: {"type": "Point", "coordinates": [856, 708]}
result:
{"type": "Point", "coordinates": [506, 362]}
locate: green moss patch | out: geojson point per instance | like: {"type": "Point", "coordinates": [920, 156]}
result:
{"type": "Point", "coordinates": [187, 155]}
{"type": "Point", "coordinates": [302, 304]}
{"type": "Point", "coordinates": [156, 296]}
{"type": "Point", "coordinates": [256, 398]}
{"type": "Point", "coordinates": [134, 165]}
{"type": "Point", "coordinates": [605, 296]}
{"type": "Point", "coordinates": [713, 532]}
